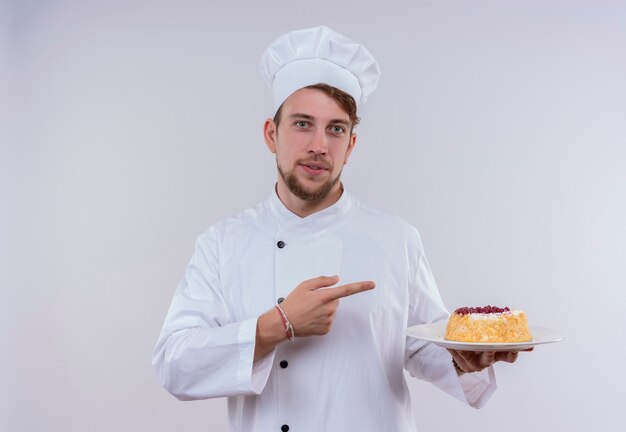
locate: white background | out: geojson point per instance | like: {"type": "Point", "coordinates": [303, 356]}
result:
{"type": "Point", "coordinates": [128, 127]}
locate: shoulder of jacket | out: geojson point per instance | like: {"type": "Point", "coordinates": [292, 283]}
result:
{"type": "Point", "coordinates": [234, 225]}
{"type": "Point", "coordinates": [385, 220]}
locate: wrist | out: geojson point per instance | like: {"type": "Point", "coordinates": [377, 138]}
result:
{"type": "Point", "coordinates": [270, 328]}
{"type": "Point", "coordinates": [458, 369]}
{"type": "Point", "coordinates": [269, 333]}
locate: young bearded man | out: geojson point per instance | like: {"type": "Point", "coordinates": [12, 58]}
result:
{"type": "Point", "coordinates": [259, 316]}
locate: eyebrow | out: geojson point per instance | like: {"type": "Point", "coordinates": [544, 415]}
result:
{"type": "Point", "coordinates": [310, 117]}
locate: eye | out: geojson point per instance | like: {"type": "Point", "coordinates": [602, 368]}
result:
{"type": "Point", "coordinates": [337, 129]}
{"type": "Point", "coordinates": [301, 124]}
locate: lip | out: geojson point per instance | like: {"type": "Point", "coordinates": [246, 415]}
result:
{"type": "Point", "coordinates": [313, 168]}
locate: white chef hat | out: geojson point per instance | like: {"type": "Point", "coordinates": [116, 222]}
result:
{"type": "Point", "coordinates": [318, 55]}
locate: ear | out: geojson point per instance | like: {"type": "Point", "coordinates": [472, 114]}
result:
{"type": "Point", "coordinates": [351, 145]}
{"type": "Point", "coordinates": [269, 133]}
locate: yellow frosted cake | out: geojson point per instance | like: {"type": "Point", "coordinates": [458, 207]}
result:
{"type": "Point", "coordinates": [488, 324]}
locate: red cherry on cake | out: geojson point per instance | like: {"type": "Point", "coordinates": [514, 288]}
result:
{"type": "Point", "coordinates": [481, 310]}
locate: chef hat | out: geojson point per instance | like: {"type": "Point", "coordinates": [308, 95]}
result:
{"type": "Point", "coordinates": [318, 55]}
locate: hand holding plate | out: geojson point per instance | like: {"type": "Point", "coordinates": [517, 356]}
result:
{"type": "Point", "coordinates": [475, 361]}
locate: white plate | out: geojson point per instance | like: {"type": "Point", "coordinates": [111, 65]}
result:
{"type": "Point", "coordinates": [435, 332]}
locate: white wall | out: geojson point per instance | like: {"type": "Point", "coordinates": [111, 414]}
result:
{"type": "Point", "coordinates": [498, 129]}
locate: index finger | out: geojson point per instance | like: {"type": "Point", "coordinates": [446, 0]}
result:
{"type": "Point", "coordinates": [347, 290]}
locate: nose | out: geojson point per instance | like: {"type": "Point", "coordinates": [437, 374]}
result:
{"type": "Point", "coordinates": [318, 143]}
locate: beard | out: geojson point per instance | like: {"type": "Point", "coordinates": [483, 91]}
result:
{"type": "Point", "coordinates": [298, 189]}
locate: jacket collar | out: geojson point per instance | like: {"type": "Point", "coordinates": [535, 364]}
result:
{"type": "Point", "coordinates": [321, 218]}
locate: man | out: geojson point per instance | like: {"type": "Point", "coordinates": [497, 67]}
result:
{"type": "Point", "coordinates": [258, 316]}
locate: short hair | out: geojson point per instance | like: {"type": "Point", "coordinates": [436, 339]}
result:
{"type": "Point", "coordinates": [345, 101]}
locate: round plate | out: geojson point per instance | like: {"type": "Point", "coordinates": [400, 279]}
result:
{"type": "Point", "coordinates": [434, 332]}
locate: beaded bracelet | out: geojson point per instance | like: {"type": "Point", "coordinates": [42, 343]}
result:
{"type": "Point", "coordinates": [291, 334]}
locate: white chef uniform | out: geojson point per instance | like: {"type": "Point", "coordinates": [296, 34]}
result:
{"type": "Point", "coordinates": [350, 379]}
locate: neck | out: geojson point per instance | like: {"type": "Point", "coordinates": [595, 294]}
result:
{"type": "Point", "coordinates": [305, 208]}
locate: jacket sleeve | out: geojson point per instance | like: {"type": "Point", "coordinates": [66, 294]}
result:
{"type": "Point", "coordinates": [430, 362]}
{"type": "Point", "coordinates": [202, 352]}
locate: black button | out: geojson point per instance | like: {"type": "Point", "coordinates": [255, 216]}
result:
{"type": "Point", "coordinates": [284, 428]}
{"type": "Point", "coordinates": [280, 300]}
{"type": "Point", "coordinates": [281, 244]}
{"type": "Point", "coordinates": [284, 364]}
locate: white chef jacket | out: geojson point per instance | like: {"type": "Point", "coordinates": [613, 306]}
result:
{"type": "Point", "coordinates": [350, 379]}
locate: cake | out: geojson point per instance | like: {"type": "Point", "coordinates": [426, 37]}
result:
{"type": "Point", "coordinates": [488, 324]}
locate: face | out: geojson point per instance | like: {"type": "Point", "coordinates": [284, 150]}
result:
{"type": "Point", "coordinates": [312, 144]}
